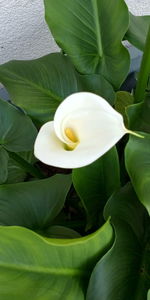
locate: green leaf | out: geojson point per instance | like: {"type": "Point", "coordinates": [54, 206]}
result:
{"type": "Point", "coordinates": [123, 99]}
{"type": "Point", "coordinates": [33, 204]}
{"type": "Point", "coordinates": [17, 132]}
{"type": "Point", "coordinates": [36, 268]}
{"type": "Point", "coordinates": [139, 115]}
{"type": "Point", "coordinates": [61, 232]}
{"type": "Point", "coordinates": [4, 157]}
{"type": "Point", "coordinates": [95, 183]}
{"type": "Point", "coordinates": [97, 84]}
{"type": "Point", "coordinates": [137, 157]}
{"type": "Point", "coordinates": [124, 271]}
{"type": "Point", "coordinates": [137, 31]}
{"type": "Point", "coordinates": [38, 86]}
{"type": "Point", "coordinates": [91, 32]}
{"type": "Point", "coordinates": [15, 172]}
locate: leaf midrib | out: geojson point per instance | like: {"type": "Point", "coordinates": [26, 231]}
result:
{"type": "Point", "coordinates": [98, 28]}
{"type": "Point", "coordinates": [73, 272]}
{"type": "Point", "coordinates": [45, 91]}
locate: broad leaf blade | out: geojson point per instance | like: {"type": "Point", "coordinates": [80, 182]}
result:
{"type": "Point", "coordinates": [137, 31]}
{"type": "Point", "coordinates": [33, 204]}
{"type": "Point", "coordinates": [139, 116]}
{"type": "Point", "coordinates": [48, 268]}
{"type": "Point", "coordinates": [97, 84]}
{"type": "Point", "coordinates": [91, 32]}
{"type": "Point", "coordinates": [17, 132]}
{"type": "Point", "coordinates": [137, 157]}
{"type": "Point", "coordinates": [61, 232]}
{"type": "Point", "coordinates": [124, 271]}
{"type": "Point", "coordinates": [38, 86]}
{"type": "Point", "coordinates": [95, 183]}
{"type": "Point", "coordinates": [15, 171]}
{"type": "Point", "coordinates": [4, 157]}
{"type": "Point", "coordinates": [123, 99]}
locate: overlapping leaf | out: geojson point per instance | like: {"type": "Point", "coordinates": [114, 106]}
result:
{"type": "Point", "coordinates": [91, 32]}
{"type": "Point", "coordinates": [4, 157]}
{"type": "Point", "coordinates": [41, 269]}
{"type": "Point", "coordinates": [139, 116]}
{"type": "Point", "coordinates": [137, 153]}
{"type": "Point", "coordinates": [17, 132]}
{"type": "Point", "coordinates": [123, 273]}
{"type": "Point", "coordinates": [137, 31]}
{"type": "Point", "coordinates": [33, 204]}
{"type": "Point", "coordinates": [38, 86]}
{"type": "Point", "coordinates": [95, 183]}
{"type": "Point", "coordinates": [138, 166]}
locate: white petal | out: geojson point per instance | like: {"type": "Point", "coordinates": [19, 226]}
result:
{"type": "Point", "coordinates": [76, 106]}
{"type": "Point", "coordinates": [96, 124]}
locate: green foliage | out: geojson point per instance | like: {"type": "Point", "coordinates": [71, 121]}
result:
{"type": "Point", "coordinates": [4, 157]}
{"type": "Point", "coordinates": [48, 268]}
{"type": "Point", "coordinates": [138, 166]}
{"type": "Point", "coordinates": [38, 86]}
{"type": "Point", "coordinates": [137, 31]}
{"type": "Point", "coordinates": [49, 249]}
{"type": "Point", "coordinates": [124, 270]}
{"type": "Point", "coordinates": [17, 132]}
{"type": "Point", "coordinates": [33, 204]}
{"type": "Point", "coordinates": [92, 35]}
{"type": "Point", "coordinates": [123, 99]}
{"type": "Point", "coordinates": [95, 183]}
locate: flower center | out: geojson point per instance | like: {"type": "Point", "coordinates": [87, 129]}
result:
{"type": "Point", "coordinates": [70, 134]}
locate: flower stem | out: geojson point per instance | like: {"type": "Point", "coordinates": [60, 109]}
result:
{"type": "Point", "coordinates": [144, 72]}
{"type": "Point", "coordinates": [135, 134]}
{"type": "Point", "coordinates": [35, 172]}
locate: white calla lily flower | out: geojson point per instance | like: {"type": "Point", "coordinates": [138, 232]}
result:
{"type": "Point", "coordinates": [85, 127]}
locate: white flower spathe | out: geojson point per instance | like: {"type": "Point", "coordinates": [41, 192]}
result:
{"type": "Point", "coordinates": [85, 127]}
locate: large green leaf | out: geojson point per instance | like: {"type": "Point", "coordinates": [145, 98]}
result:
{"type": "Point", "coordinates": [137, 156]}
{"type": "Point", "coordinates": [139, 115]}
{"type": "Point", "coordinates": [95, 183]}
{"type": "Point", "coordinates": [123, 99]}
{"type": "Point", "coordinates": [17, 132]}
{"type": "Point", "coordinates": [15, 171]}
{"type": "Point", "coordinates": [4, 157]}
{"type": "Point", "coordinates": [61, 232]}
{"type": "Point", "coordinates": [96, 83]}
{"type": "Point", "coordinates": [33, 204]}
{"type": "Point", "coordinates": [38, 86]}
{"type": "Point", "coordinates": [90, 32]}
{"type": "Point", "coordinates": [124, 272]}
{"type": "Point", "coordinates": [137, 31]}
{"type": "Point", "coordinates": [47, 269]}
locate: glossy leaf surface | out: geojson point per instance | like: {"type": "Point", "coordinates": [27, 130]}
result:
{"type": "Point", "coordinates": [4, 157]}
{"type": "Point", "coordinates": [33, 204]}
{"type": "Point", "coordinates": [15, 171]}
{"type": "Point", "coordinates": [137, 31]}
{"type": "Point", "coordinates": [123, 273]}
{"type": "Point", "coordinates": [137, 156]}
{"type": "Point", "coordinates": [38, 86]}
{"type": "Point", "coordinates": [139, 115]}
{"type": "Point", "coordinates": [91, 32]}
{"type": "Point", "coordinates": [95, 183]}
{"type": "Point", "coordinates": [17, 132]}
{"type": "Point", "coordinates": [123, 99]}
{"type": "Point", "coordinates": [41, 269]}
